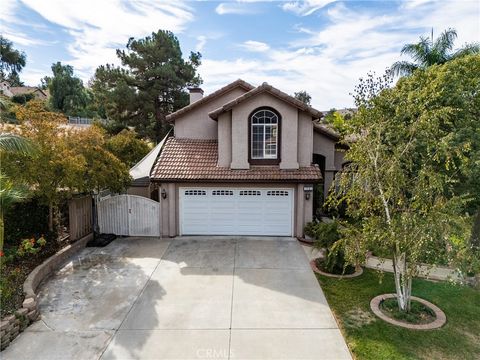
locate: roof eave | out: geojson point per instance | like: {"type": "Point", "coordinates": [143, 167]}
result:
{"type": "Point", "coordinates": [316, 114]}
{"type": "Point", "coordinates": [237, 83]}
{"type": "Point", "coordinates": [327, 133]}
{"type": "Point", "coordinates": [208, 180]}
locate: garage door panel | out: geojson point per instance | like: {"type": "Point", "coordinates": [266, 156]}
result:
{"type": "Point", "coordinates": [236, 211]}
{"type": "Point", "coordinates": [279, 218]}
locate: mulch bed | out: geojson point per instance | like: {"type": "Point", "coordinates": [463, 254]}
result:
{"type": "Point", "coordinates": [16, 272]}
{"type": "Point", "coordinates": [314, 264]}
{"type": "Point", "coordinates": [418, 314]}
{"type": "Point", "coordinates": [434, 319]}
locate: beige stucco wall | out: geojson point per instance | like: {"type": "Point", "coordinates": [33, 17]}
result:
{"type": "Point", "coordinates": [164, 210]}
{"type": "Point", "coordinates": [289, 130]}
{"type": "Point", "coordinates": [303, 209]}
{"type": "Point", "coordinates": [324, 146]}
{"type": "Point", "coordinates": [170, 209]}
{"type": "Point", "coordinates": [289, 133]}
{"type": "Point", "coordinates": [305, 139]}
{"type": "Point", "coordinates": [239, 138]}
{"type": "Point", "coordinates": [196, 124]}
{"type": "Point", "coordinates": [225, 139]}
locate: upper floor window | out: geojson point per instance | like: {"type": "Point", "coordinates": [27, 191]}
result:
{"type": "Point", "coordinates": [264, 129]}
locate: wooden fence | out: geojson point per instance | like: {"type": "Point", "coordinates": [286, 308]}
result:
{"type": "Point", "coordinates": [80, 217]}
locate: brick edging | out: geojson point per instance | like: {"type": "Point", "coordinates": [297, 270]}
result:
{"type": "Point", "coordinates": [315, 269]}
{"type": "Point", "coordinates": [440, 320]}
{"type": "Point", "coordinates": [12, 325]}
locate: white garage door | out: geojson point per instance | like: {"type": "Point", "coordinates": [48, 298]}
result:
{"type": "Point", "coordinates": [236, 211]}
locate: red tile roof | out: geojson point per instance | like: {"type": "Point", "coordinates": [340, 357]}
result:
{"type": "Point", "coordinates": [196, 160]}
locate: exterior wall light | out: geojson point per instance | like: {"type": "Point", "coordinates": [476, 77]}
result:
{"type": "Point", "coordinates": [308, 189]}
{"type": "Point", "coordinates": [164, 194]}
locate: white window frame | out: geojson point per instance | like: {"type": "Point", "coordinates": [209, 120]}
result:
{"type": "Point", "coordinates": [272, 126]}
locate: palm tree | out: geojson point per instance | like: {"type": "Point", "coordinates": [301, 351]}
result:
{"type": "Point", "coordinates": [428, 52]}
{"type": "Point", "coordinates": [15, 143]}
{"type": "Point", "coordinates": [9, 192]}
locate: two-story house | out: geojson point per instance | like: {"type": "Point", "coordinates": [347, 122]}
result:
{"type": "Point", "coordinates": [242, 161]}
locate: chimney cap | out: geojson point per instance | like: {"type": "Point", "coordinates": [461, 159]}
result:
{"type": "Point", "coordinates": [195, 89]}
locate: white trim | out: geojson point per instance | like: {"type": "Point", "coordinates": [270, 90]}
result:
{"type": "Point", "coordinates": [264, 125]}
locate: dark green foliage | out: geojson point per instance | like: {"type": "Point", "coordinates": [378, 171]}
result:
{"type": "Point", "coordinates": [150, 85]}
{"type": "Point", "coordinates": [113, 127]}
{"type": "Point", "coordinates": [325, 234]}
{"type": "Point", "coordinates": [9, 294]}
{"type": "Point", "coordinates": [475, 238]}
{"type": "Point", "coordinates": [23, 98]}
{"type": "Point", "coordinates": [7, 110]}
{"type": "Point", "coordinates": [12, 62]}
{"type": "Point", "coordinates": [25, 220]}
{"type": "Point", "coordinates": [303, 96]}
{"type": "Point", "coordinates": [327, 237]}
{"type": "Point", "coordinates": [67, 93]}
{"type": "Point", "coordinates": [335, 263]}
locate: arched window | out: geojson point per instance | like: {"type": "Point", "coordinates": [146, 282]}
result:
{"type": "Point", "coordinates": [264, 134]}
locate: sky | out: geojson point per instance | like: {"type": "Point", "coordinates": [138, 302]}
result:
{"type": "Point", "coordinates": [321, 46]}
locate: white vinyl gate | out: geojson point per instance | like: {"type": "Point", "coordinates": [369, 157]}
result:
{"type": "Point", "coordinates": [129, 215]}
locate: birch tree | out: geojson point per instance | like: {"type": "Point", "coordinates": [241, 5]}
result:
{"type": "Point", "coordinates": [402, 187]}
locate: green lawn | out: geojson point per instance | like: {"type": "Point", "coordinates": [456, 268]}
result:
{"type": "Point", "coordinates": [371, 338]}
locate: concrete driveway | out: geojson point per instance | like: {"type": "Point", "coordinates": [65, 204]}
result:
{"type": "Point", "coordinates": [186, 298]}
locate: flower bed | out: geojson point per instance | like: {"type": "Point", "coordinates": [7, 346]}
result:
{"type": "Point", "coordinates": [18, 263]}
{"type": "Point", "coordinates": [21, 316]}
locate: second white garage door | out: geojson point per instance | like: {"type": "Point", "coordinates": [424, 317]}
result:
{"type": "Point", "coordinates": [236, 211]}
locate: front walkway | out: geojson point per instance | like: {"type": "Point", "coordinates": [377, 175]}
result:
{"type": "Point", "coordinates": [187, 298]}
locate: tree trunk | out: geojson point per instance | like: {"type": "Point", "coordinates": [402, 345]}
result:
{"type": "Point", "coordinates": [403, 282]}
{"type": "Point", "coordinates": [159, 121]}
{"type": "Point", "coordinates": [50, 217]}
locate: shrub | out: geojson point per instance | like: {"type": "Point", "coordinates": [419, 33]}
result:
{"type": "Point", "coordinates": [8, 282]}
{"type": "Point", "coordinates": [327, 236]}
{"type": "Point", "coordinates": [22, 99]}
{"type": "Point", "coordinates": [26, 220]}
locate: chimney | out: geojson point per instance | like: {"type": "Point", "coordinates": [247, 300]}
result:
{"type": "Point", "coordinates": [195, 94]}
